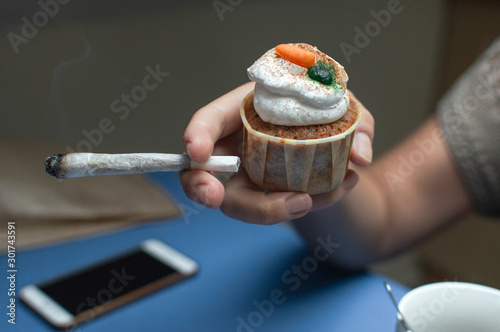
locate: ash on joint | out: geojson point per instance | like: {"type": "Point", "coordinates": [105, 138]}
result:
{"type": "Point", "coordinates": [53, 164]}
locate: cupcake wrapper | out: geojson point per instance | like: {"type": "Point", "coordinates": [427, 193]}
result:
{"type": "Point", "coordinates": [314, 166]}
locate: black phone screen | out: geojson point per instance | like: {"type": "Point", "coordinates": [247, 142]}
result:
{"type": "Point", "coordinates": [99, 284]}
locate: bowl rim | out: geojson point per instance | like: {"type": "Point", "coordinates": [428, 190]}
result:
{"type": "Point", "coordinates": [460, 285]}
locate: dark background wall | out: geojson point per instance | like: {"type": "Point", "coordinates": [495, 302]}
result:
{"type": "Point", "coordinates": [61, 81]}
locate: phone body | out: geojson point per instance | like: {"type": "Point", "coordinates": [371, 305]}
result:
{"type": "Point", "coordinates": [91, 291]}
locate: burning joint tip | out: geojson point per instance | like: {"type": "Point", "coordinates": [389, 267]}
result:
{"type": "Point", "coordinates": [53, 164]}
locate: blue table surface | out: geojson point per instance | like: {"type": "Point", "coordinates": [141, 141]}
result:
{"type": "Point", "coordinates": [243, 269]}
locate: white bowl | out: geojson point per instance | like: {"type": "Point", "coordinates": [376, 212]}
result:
{"type": "Point", "coordinates": [451, 306]}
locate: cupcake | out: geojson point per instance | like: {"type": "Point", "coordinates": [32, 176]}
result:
{"type": "Point", "coordinates": [299, 121]}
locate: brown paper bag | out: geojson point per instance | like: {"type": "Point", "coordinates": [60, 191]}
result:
{"type": "Point", "coordinates": [46, 209]}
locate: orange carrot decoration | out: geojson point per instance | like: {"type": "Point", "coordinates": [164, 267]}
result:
{"type": "Point", "coordinates": [296, 55]}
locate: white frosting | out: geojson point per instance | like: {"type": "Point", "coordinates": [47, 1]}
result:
{"type": "Point", "coordinates": [285, 95]}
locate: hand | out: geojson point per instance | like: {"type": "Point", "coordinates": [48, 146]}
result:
{"type": "Point", "coordinates": [217, 129]}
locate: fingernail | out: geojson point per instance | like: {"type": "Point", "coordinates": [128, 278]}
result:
{"type": "Point", "coordinates": [201, 192]}
{"type": "Point", "coordinates": [364, 146]}
{"type": "Point", "coordinates": [188, 149]}
{"type": "Point", "coordinates": [298, 203]}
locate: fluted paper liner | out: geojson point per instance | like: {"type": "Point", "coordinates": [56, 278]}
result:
{"type": "Point", "coordinates": [314, 165]}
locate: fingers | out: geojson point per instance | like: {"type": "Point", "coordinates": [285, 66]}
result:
{"type": "Point", "coordinates": [212, 130]}
{"type": "Point", "coordinates": [215, 129]}
{"type": "Point", "coordinates": [362, 152]}
{"type": "Point", "coordinates": [247, 202]}
{"type": "Point", "coordinates": [202, 188]}
{"type": "Point", "coordinates": [213, 122]}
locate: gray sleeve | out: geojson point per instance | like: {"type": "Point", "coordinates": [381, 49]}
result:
{"type": "Point", "coordinates": [469, 115]}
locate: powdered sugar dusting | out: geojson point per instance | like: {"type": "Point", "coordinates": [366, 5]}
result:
{"type": "Point", "coordinates": [285, 95]}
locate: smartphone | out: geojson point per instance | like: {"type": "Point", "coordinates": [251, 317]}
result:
{"type": "Point", "coordinates": [91, 291]}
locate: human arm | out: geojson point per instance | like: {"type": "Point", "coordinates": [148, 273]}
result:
{"type": "Point", "coordinates": [403, 197]}
{"type": "Point", "coordinates": [388, 210]}
{"type": "Point", "coordinates": [449, 165]}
